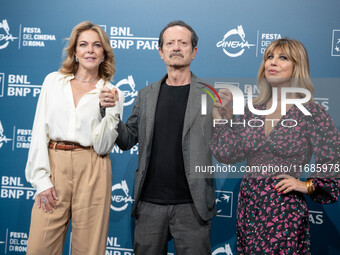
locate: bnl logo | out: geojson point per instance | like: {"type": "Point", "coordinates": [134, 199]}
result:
{"type": "Point", "coordinates": [336, 43]}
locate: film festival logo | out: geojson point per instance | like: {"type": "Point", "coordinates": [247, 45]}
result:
{"type": "Point", "coordinates": [14, 242]}
{"type": "Point", "coordinates": [128, 87]}
{"type": "Point", "coordinates": [120, 196]}
{"type": "Point", "coordinates": [336, 42]}
{"type": "Point", "coordinates": [234, 43]}
{"type": "Point", "coordinates": [3, 138]}
{"type": "Point", "coordinates": [5, 36]}
{"type": "Point", "coordinates": [2, 83]}
{"type": "Point", "coordinates": [224, 203]}
{"type": "Point", "coordinates": [103, 27]}
{"type": "Point", "coordinates": [223, 250]}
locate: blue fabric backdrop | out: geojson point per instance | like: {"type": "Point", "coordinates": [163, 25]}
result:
{"type": "Point", "coordinates": [32, 36]}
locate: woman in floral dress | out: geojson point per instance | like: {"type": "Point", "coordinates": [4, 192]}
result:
{"type": "Point", "coordinates": [272, 216]}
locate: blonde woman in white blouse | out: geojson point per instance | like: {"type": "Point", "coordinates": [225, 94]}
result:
{"type": "Point", "coordinates": [68, 161]}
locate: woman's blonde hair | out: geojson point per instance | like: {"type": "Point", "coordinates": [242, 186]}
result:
{"type": "Point", "coordinates": [106, 69]}
{"type": "Point", "coordinates": [295, 52]}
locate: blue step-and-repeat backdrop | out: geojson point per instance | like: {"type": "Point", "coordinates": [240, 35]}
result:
{"type": "Point", "coordinates": [32, 36]}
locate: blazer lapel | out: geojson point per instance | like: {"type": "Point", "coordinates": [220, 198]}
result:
{"type": "Point", "coordinates": [193, 105]}
{"type": "Point", "coordinates": [151, 103]}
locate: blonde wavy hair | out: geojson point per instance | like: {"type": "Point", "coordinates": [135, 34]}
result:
{"type": "Point", "coordinates": [294, 51]}
{"type": "Point", "coordinates": [107, 68]}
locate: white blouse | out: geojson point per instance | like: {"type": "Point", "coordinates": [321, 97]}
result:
{"type": "Point", "coordinates": [58, 119]}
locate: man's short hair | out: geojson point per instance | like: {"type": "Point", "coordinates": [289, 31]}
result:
{"type": "Point", "coordinates": [194, 37]}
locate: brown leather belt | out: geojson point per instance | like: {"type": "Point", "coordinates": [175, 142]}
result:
{"type": "Point", "coordinates": [66, 146]}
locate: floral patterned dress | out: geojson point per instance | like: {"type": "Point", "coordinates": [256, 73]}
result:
{"type": "Point", "coordinates": [269, 222]}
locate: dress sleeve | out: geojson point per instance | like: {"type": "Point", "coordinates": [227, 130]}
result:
{"type": "Point", "coordinates": [227, 144]}
{"type": "Point", "coordinates": [104, 133]}
{"type": "Point", "coordinates": [38, 167]}
{"type": "Point", "coordinates": [325, 140]}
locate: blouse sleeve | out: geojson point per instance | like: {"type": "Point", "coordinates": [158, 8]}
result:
{"type": "Point", "coordinates": [38, 167]}
{"type": "Point", "coordinates": [104, 133]}
{"type": "Point", "coordinates": [325, 140]}
{"type": "Point", "coordinates": [228, 144]}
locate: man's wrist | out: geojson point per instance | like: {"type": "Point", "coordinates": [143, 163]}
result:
{"type": "Point", "coordinates": [102, 111]}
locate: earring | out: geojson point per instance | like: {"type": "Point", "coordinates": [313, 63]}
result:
{"type": "Point", "coordinates": [102, 60]}
{"type": "Point", "coordinates": [76, 59]}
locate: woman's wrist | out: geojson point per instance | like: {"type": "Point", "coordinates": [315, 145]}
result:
{"type": "Point", "coordinates": [310, 187]}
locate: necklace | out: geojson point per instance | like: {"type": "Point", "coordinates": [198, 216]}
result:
{"type": "Point", "coordinates": [79, 78]}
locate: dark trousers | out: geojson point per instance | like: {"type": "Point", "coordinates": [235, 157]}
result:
{"type": "Point", "coordinates": [157, 224]}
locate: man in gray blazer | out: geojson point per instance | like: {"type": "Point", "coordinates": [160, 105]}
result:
{"type": "Point", "coordinates": [171, 199]}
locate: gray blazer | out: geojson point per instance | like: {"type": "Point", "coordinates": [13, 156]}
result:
{"type": "Point", "coordinates": [197, 131]}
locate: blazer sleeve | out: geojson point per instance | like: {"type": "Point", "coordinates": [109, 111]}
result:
{"type": "Point", "coordinates": [128, 132]}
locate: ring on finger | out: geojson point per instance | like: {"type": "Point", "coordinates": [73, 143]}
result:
{"type": "Point", "coordinates": [43, 200]}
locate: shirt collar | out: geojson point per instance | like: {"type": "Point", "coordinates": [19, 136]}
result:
{"type": "Point", "coordinates": [65, 77]}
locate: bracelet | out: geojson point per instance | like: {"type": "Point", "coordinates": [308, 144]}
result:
{"type": "Point", "coordinates": [310, 187]}
{"type": "Point", "coordinates": [308, 183]}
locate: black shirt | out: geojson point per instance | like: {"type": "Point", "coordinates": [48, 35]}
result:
{"type": "Point", "coordinates": [165, 181]}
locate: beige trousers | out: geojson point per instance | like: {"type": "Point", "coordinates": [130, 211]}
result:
{"type": "Point", "coordinates": [83, 183]}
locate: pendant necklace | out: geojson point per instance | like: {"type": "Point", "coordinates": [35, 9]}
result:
{"type": "Point", "coordinates": [79, 78]}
